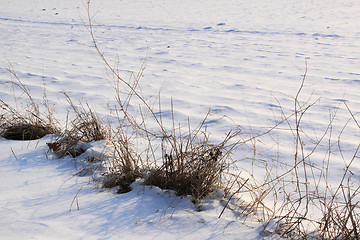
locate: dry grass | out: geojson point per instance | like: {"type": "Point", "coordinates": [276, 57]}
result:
{"type": "Point", "coordinates": [185, 160]}
{"type": "Point", "coordinates": [124, 166]}
{"type": "Point", "coordinates": [191, 164]}
{"type": "Point", "coordinates": [28, 120]}
{"type": "Point", "coordinates": [84, 128]}
{"type": "Point", "coordinates": [298, 200]}
{"type": "Point", "coordinates": [196, 172]}
{"type": "Point", "coordinates": [25, 131]}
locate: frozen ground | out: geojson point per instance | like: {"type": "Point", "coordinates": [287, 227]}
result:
{"type": "Point", "coordinates": [237, 57]}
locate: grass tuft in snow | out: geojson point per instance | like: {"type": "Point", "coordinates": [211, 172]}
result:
{"type": "Point", "coordinates": [191, 164]}
{"type": "Point", "coordinates": [84, 128]}
{"type": "Point", "coordinates": [25, 131]}
{"type": "Point", "coordinates": [125, 162]}
{"type": "Point", "coordinates": [28, 119]}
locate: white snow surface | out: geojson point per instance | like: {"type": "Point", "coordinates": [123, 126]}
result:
{"type": "Point", "coordinates": [42, 199]}
{"type": "Point", "coordinates": [240, 58]}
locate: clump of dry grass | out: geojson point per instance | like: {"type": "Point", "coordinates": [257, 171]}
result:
{"type": "Point", "coordinates": [25, 131]}
{"type": "Point", "coordinates": [125, 163]}
{"type": "Point", "coordinates": [119, 179]}
{"type": "Point", "coordinates": [84, 128]}
{"type": "Point", "coordinates": [28, 121]}
{"type": "Point", "coordinates": [341, 217]}
{"type": "Point", "coordinates": [191, 165]}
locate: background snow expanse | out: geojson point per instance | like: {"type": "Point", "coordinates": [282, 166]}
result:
{"type": "Point", "coordinates": [239, 58]}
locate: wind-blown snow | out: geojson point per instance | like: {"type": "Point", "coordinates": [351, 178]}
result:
{"type": "Point", "coordinates": [234, 57]}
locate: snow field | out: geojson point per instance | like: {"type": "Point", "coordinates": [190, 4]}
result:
{"type": "Point", "coordinates": [242, 59]}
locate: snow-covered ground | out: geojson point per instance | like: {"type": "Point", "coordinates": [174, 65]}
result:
{"type": "Point", "coordinates": [239, 58]}
{"type": "Point", "coordinates": [42, 199]}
